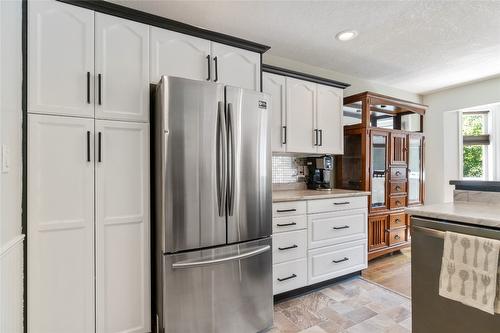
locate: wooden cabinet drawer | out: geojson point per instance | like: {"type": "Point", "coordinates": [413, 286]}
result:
{"type": "Point", "coordinates": [397, 202]}
{"type": "Point", "coordinates": [337, 227]}
{"type": "Point", "coordinates": [289, 275]}
{"type": "Point", "coordinates": [289, 245]}
{"type": "Point", "coordinates": [397, 236]}
{"type": "Point", "coordinates": [335, 204]}
{"type": "Point", "coordinates": [289, 208]}
{"type": "Point", "coordinates": [397, 220]}
{"type": "Point", "coordinates": [333, 261]}
{"type": "Point", "coordinates": [398, 173]}
{"type": "Point", "coordinates": [398, 187]}
{"type": "Point", "coordinates": [289, 223]}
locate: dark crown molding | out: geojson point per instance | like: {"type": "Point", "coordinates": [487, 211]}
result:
{"type": "Point", "coordinates": [303, 76]}
{"type": "Point", "coordinates": [162, 22]}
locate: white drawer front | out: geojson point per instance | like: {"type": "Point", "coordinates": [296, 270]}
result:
{"type": "Point", "coordinates": [289, 275]}
{"type": "Point", "coordinates": [337, 227]}
{"type": "Point", "coordinates": [333, 261]}
{"type": "Point", "coordinates": [289, 223]}
{"type": "Point", "coordinates": [335, 204]}
{"type": "Point", "coordinates": [289, 246]}
{"type": "Point", "coordinates": [289, 208]}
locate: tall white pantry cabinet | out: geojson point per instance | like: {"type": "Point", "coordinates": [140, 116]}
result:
{"type": "Point", "coordinates": [88, 172]}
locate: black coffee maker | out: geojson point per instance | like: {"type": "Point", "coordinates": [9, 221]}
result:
{"type": "Point", "coordinates": [320, 172]}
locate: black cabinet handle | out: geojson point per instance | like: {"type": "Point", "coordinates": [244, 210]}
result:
{"type": "Point", "coordinates": [216, 70]}
{"type": "Point", "coordinates": [88, 146]}
{"type": "Point", "coordinates": [286, 210]}
{"type": "Point", "coordinates": [287, 278]}
{"type": "Point", "coordinates": [288, 247]}
{"type": "Point", "coordinates": [340, 228]}
{"type": "Point", "coordinates": [320, 137]}
{"type": "Point", "coordinates": [341, 203]}
{"type": "Point", "coordinates": [398, 173]}
{"type": "Point", "coordinates": [398, 188]}
{"type": "Point", "coordinates": [341, 260]}
{"type": "Point", "coordinates": [88, 87]}
{"type": "Point", "coordinates": [284, 135]}
{"type": "Point", "coordinates": [285, 224]}
{"type": "Point", "coordinates": [208, 66]}
{"type": "Point", "coordinates": [99, 77]}
{"type": "Point", "coordinates": [316, 137]}
{"type": "Point", "coordinates": [99, 159]}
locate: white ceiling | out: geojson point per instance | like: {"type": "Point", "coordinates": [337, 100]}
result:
{"type": "Point", "coordinates": [418, 46]}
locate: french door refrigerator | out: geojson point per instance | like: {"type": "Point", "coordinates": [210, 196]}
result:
{"type": "Point", "coordinates": [213, 208]}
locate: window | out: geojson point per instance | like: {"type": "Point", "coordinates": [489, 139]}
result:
{"type": "Point", "coordinates": [475, 144]}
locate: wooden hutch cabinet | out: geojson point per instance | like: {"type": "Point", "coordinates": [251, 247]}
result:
{"type": "Point", "coordinates": [383, 154]}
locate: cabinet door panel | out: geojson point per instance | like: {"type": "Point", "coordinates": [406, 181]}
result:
{"type": "Point", "coordinates": [379, 156]}
{"type": "Point", "coordinates": [122, 61]}
{"type": "Point", "coordinates": [300, 115]}
{"type": "Point", "coordinates": [377, 235]}
{"type": "Point", "coordinates": [398, 148]}
{"type": "Point", "coordinates": [236, 67]}
{"type": "Point", "coordinates": [61, 53]}
{"type": "Point", "coordinates": [415, 169]}
{"type": "Point", "coordinates": [330, 120]}
{"type": "Point", "coordinates": [60, 225]}
{"type": "Point", "coordinates": [275, 86]}
{"type": "Point", "coordinates": [122, 227]}
{"type": "Point", "coordinates": [176, 54]}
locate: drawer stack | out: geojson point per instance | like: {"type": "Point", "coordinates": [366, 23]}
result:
{"type": "Point", "coordinates": [318, 240]}
{"type": "Point", "coordinates": [289, 246]}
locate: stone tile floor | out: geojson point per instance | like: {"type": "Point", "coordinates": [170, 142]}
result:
{"type": "Point", "coordinates": [351, 306]}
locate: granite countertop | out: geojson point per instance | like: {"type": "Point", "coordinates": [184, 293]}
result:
{"type": "Point", "coordinates": [478, 213]}
{"type": "Point", "coordinates": [294, 195]}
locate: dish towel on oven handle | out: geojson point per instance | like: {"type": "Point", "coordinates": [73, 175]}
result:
{"type": "Point", "coordinates": [470, 271]}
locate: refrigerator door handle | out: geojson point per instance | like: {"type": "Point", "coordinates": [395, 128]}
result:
{"type": "Point", "coordinates": [231, 158]}
{"type": "Point", "coordinates": [244, 255]}
{"type": "Point", "coordinates": [221, 158]}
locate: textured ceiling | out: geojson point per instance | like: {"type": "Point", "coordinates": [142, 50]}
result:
{"type": "Point", "coordinates": [418, 46]}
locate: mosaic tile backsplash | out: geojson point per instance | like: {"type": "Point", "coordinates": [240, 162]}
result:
{"type": "Point", "coordinates": [286, 170]}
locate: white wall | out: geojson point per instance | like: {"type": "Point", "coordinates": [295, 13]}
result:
{"type": "Point", "coordinates": [357, 84]}
{"type": "Point", "coordinates": [11, 238]}
{"type": "Point", "coordinates": [441, 131]}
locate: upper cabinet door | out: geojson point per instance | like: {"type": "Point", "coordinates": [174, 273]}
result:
{"type": "Point", "coordinates": [300, 116]}
{"type": "Point", "coordinates": [60, 224]}
{"type": "Point", "coordinates": [235, 67]}
{"type": "Point", "coordinates": [176, 54]}
{"type": "Point", "coordinates": [61, 59]}
{"type": "Point", "coordinates": [121, 69]}
{"type": "Point", "coordinates": [329, 120]}
{"type": "Point", "coordinates": [398, 148]}
{"type": "Point", "coordinates": [122, 227]}
{"type": "Point", "coordinates": [275, 86]}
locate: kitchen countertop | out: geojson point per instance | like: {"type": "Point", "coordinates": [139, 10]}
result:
{"type": "Point", "coordinates": [294, 195]}
{"type": "Point", "coordinates": [475, 213]}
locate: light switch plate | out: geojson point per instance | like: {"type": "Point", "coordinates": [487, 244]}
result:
{"type": "Point", "coordinates": [5, 159]}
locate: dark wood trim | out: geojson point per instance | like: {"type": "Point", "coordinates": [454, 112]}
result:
{"type": "Point", "coordinates": [307, 289]}
{"type": "Point", "coordinates": [476, 185]}
{"type": "Point", "coordinates": [303, 76]}
{"type": "Point", "coordinates": [387, 250]}
{"type": "Point", "coordinates": [24, 202]}
{"type": "Point", "coordinates": [383, 99]}
{"type": "Point", "coordinates": [163, 22]}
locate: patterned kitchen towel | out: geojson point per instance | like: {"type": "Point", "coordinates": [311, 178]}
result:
{"type": "Point", "coordinates": [469, 270]}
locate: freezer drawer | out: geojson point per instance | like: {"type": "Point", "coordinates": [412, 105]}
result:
{"type": "Point", "coordinates": [226, 289]}
{"type": "Point", "coordinates": [432, 313]}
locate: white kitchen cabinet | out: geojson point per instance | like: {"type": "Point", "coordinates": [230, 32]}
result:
{"type": "Point", "coordinates": [121, 69]}
{"type": "Point", "coordinates": [61, 59]}
{"type": "Point", "coordinates": [301, 116]}
{"type": "Point", "coordinates": [60, 224]}
{"type": "Point", "coordinates": [177, 54]}
{"type": "Point", "coordinates": [235, 67]}
{"type": "Point", "coordinates": [275, 86]}
{"type": "Point", "coordinates": [329, 119]}
{"type": "Point", "coordinates": [122, 227]}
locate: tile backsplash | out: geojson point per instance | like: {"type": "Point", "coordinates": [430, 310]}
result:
{"type": "Point", "coordinates": [287, 169]}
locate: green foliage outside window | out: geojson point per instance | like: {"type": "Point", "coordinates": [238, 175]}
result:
{"type": "Point", "coordinates": [473, 155]}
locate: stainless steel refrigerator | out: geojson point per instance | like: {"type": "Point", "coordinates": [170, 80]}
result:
{"type": "Point", "coordinates": [213, 210]}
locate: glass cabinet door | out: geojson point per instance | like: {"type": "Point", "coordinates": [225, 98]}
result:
{"type": "Point", "coordinates": [414, 169]}
{"type": "Point", "coordinates": [378, 169]}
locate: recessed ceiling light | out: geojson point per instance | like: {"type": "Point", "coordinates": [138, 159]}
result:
{"type": "Point", "coordinates": [346, 35]}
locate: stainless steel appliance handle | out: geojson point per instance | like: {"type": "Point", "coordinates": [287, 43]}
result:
{"type": "Point", "coordinates": [429, 232]}
{"type": "Point", "coordinates": [221, 158]}
{"type": "Point", "coordinates": [231, 159]}
{"type": "Point", "coordinates": [244, 255]}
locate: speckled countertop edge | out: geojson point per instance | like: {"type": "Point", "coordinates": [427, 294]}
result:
{"type": "Point", "coordinates": [298, 195]}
